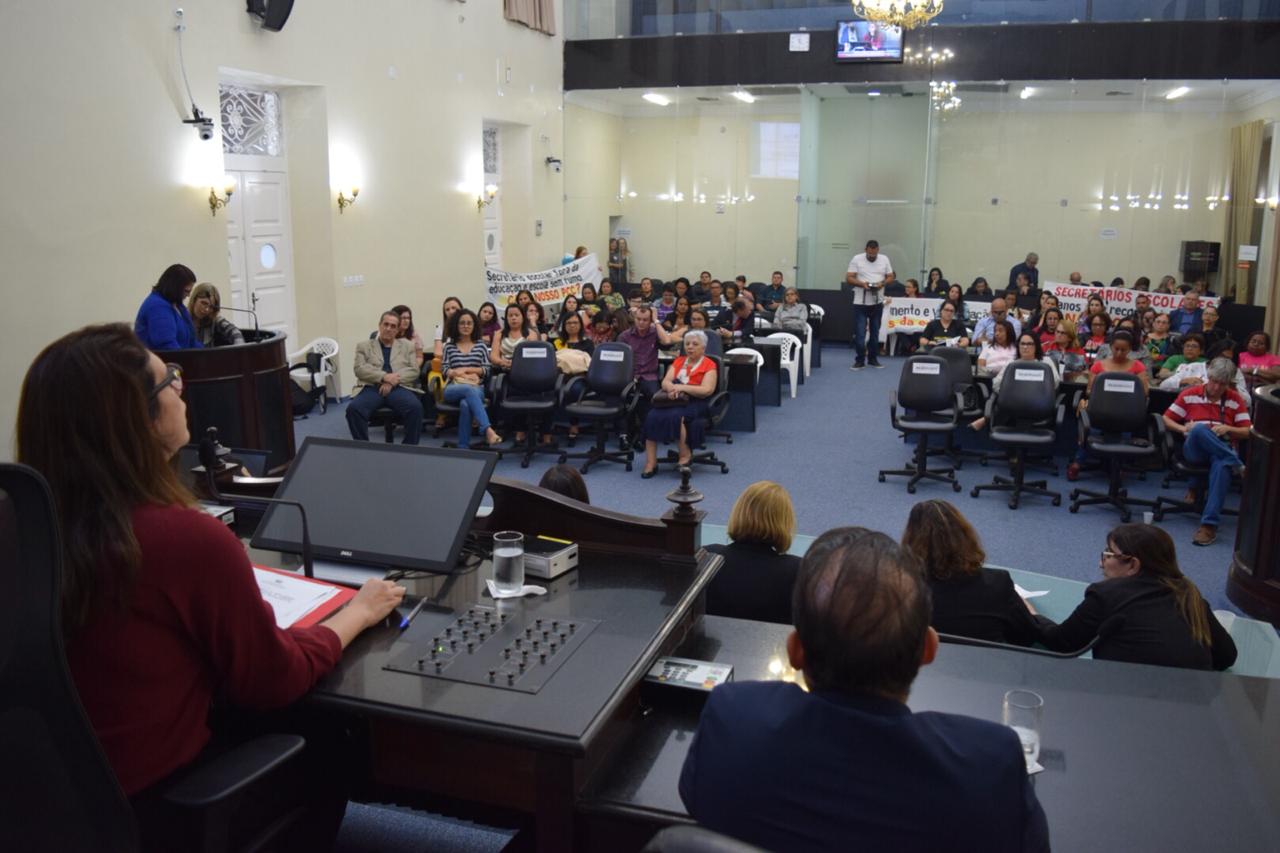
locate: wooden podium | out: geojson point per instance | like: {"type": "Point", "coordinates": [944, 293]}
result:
{"type": "Point", "coordinates": [242, 390]}
{"type": "Point", "coordinates": [1254, 581]}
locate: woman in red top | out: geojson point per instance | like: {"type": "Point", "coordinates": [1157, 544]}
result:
{"type": "Point", "coordinates": [1099, 325]}
{"type": "Point", "coordinates": [1118, 361]}
{"type": "Point", "coordinates": [160, 607]}
{"type": "Point", "coordinates": [690, 379]}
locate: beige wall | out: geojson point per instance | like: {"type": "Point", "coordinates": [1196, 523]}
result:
{"type": "Point", "coordinates": [592, 171]}
{"type": "Point", "coordinates": [109, 181]}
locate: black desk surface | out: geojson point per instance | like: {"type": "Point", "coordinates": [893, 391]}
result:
{"type": "Point", "coordinates": [1136, 757]}
{"type": "Point", "coordinates": [639, 602]}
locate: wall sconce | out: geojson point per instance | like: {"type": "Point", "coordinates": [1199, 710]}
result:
{"type": "Point", "coordinates": [490, 193]}
{"type": "Point", "coordinates": [344, 202]}
{"type": "Point", "coordinates": [229, 186]}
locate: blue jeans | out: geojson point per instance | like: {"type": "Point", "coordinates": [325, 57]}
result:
{"type": "Point", "coordinates": [402, 401]}
{"type": "Point", "coordinates": [866, 331]}
{"type": "Point", "coordinates": [1202, 447]}
{"type": "Point", "coordinates": [470, 402]}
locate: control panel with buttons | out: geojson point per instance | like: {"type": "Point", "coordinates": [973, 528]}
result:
{"type": "Point", "coordinates": [485, 646]}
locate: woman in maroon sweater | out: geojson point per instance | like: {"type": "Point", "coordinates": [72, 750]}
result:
{"type": "Point", "coordinates": [160, 607]}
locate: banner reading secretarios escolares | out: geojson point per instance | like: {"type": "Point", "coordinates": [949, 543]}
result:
{"type": "Point", "coordinates": [548, 287]}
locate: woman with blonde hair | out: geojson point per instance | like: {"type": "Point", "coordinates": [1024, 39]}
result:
{"type": "Point", "coordinates": [212, 329]}
{"type": "Point", "coordinates": [968, 598]}
{"type": "Point", "coordinates": [757, 576]}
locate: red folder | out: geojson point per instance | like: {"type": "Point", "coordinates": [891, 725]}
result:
{"type": "Point", "coordinates": [325, 609]}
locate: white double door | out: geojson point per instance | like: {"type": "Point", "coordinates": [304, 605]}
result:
{"type": "Point", "coordinates": [260, 252]}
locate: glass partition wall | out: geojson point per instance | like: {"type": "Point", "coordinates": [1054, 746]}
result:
{"type": "Point", "coordinates": [1105, 178]}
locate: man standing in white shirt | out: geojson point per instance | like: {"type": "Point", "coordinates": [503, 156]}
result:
{"type": "Point", "coordinates": [868, 274]}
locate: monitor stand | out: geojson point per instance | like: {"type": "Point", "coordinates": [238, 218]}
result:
{"type": "Point", "coordinates": [349, 574]}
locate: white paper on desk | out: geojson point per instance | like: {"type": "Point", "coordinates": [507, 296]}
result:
{"type": "Point", "coordinates": [290, 598]}
{"type": "Point", "coordinates": [1029, 593]}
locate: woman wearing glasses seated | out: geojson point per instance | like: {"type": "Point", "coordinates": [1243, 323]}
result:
{"type": "Point", "coordinates": [1160, 618]}
{"type": "Point", "coordinates": [160, 609]}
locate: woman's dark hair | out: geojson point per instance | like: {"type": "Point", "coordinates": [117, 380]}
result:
{"type": "Point", "coordinates": [564, 310]}
{"type": "Point", "coordinates": [1222, 346]}
{"type": "Point", "coordinates": [490, 306]}
{"type": "Point", "coordinates": [942, 539]}
{"type": "Point", "coordinates": [564, 321]}
{"type": "Point", "coordinates": [1098, 299]}
{"type": "Point", "coordinates": [585, 288]}
{"type": "Point", "coordinates": [1194, 336]}
{"type": "Point", "coordinates": [527, 293]}
{"type": "Point", "coordinates": [565, 480]}
{"type": "Point", "coordinates": [1117, 282]}
{"type": "Point", "coordinates": [959, 293]}
{"type": "Point", "coordinates": [1049, 311]}
{"type": "Point", "coordinates": [725, 291]}
{"type": "Point", "coordinates": [1035, 339]}
{"type": "Point", "coordinates": [173, 283]}
{"type": "Point", "coordinates": [979, 281]}
{"type": "Point", "coordinates": [1265, 336]}
{"type": "Point", "coordinates": [706, 318]}
{"type": "Point", "coordinates": [444, 317]}
{"type": "Point", "coordinates": [676, 290]}
{"type": "Point", "coordinates": [506, 320]}
{"type": "Point", "coordinates": [1124, 335]}
{"type": "Point", "coordinates": [1157, 557]}
{"type": "Point", "coordinates": [400, 312]}
{"type": "Point", "coordinates": [1142, 283]}
{"type": "Point", "coordinates": [476, 334]}
{"type": "Point", "coordinates": [1010, 335]}
{"type": "Point", "coordinates": [933, 270]}
{"type": "Point", "coordinates": [911, 282]}
{"type": "Point", "coordinates": [861, 609]}
{"type": "Point", "coordinates": [1104, 317]}
{"type": "Point", "coordinates": [675, 312]}
{"type": "Point", "coordinates": [99, 452]}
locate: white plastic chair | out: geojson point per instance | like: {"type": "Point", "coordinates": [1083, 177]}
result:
{"type": "Point", "coordinates": [328, 350]}
{"type": "Point", "coordinates": [808, 348]}
{"type": "Point", "coordinates": [817, 311]}
{"type": "Point", "coordinates": [755, 357]}
{"type": "Point", "coordinates": [790, 356]}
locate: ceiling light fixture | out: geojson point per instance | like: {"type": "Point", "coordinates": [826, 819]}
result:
{"type": "Point", "coordinates": [655, 98]}
{"type": "Point", "coordinates": [1174, 94]}
{"type": "Point", "coordinates": [744, 96]}
{"type": "Point", "coordinates": [907, 14]}
{"type": "Point", "coordinates": [1027, 92]}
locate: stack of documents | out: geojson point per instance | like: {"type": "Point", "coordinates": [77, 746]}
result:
{"type": "Point", "coordinates": [291, 598]}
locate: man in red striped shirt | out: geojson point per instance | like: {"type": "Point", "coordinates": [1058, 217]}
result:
{"type": "Point", "coordinates": [1212, 417]}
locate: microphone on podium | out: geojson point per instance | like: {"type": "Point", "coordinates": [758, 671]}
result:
{"type": "Point", "coordinates": [211, 453]}
{"type": "Point", "coordinates": [250, 312]}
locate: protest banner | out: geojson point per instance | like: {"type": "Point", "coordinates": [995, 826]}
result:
{"type": "Point", "coordinates": [903, 316]}
{"type": "Point", "coordinates": [549, 287]}
{"type": "Point", "coordinates": [1120, 301]}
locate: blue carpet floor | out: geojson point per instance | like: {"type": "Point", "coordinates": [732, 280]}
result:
{"type": "Point", "coordinates": [826, 446]}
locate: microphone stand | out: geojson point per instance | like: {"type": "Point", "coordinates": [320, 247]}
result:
{"type": "Point", "coordinates": [254, 314]}
{"type": "Point", "coordinates": [210, 451]}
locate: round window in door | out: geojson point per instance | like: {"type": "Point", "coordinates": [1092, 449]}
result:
{"type": "Point", "coordinates": [267, 256]}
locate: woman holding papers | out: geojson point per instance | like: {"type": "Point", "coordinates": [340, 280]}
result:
{"type": "Point", "coordinates": [160, 608]}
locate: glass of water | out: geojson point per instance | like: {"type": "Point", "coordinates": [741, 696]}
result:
{"type": "Point", "coordinates": [1024, 712]}
{"type": "Point", "coordinates": [508, 561]}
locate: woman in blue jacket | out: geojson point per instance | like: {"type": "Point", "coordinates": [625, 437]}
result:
{"type": "Point", "coordinates": [163, 322]}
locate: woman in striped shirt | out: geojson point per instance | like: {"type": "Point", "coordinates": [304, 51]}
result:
{"type": "Point", "coordinates": [466, 367]}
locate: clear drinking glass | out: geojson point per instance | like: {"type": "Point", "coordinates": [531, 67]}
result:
{"type": "Point", "coordinates": [508, 561]}
{"type": "Point", "coordinates": [1024, 712]}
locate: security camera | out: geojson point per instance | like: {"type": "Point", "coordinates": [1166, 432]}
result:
{"type": "Point", "coordinates": [555, 163]}
{"type": "Point", "coordinates": [202, 123]}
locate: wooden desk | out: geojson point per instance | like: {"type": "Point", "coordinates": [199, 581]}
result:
{"type": "Point", "coordinates": [1136, 757]}
{"type": "Point", "coordinates": [503, 755]}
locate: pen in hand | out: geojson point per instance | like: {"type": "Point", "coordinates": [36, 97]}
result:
{"type": "Point", "coordinates": [417, 608]}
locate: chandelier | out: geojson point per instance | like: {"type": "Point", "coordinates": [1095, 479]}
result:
{"type": "Point", "coordinates": [942, 94]}
{"type": "Point", "coordinates": [907, 14]}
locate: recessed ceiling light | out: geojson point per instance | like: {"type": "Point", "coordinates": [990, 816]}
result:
{"type": "Point", "coordinates": [655, 98]}
{"type": "Point", "coordinates": [744, 96]}
{"type": "Point", "coordinates": [1174, 94]}
{"type": "Point", "coordinates": [874, 93]}
{"type": "Point", "coordinates": [1027, 92]}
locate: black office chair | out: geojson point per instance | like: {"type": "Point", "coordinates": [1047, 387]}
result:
{"type": "Point", "coordinates": [929, 405]}
{"type": "Point", "coordinates": [1116, 407]}
{"type": "Point", "coordinates": [695, 839]}
{"type": "Point", "coordinates": [1021, 417]}
{"type": "Point", "coordinates": [304, 401]}
{"type": "Point", "coordinates": [59, 792]}
{"type": "Point", "coordinates": [531, 392]}
{"type": "Point", "coordinates": [975, 396]}
{"type": "Point", "coordinates": [605, 396]}
{"type": "Point", "coordinates": [717, 407]}
{"type": "Point", "coordinates": [1180, 469]}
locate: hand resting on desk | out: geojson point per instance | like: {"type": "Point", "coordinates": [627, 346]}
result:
{"type": "Point", "coordinates": [373, 603]}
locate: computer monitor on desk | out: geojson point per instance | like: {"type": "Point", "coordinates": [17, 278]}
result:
{"type": "Point", "coordinates": [379, 505]}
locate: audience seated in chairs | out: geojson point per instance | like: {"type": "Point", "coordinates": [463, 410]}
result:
{"type": "Point", "coordinates": [609, 298]}
{"type": "Point", "coordinates": [792, 315]}
{"type": "Point", "coordinates": [1257, 362]}
{"type": "Point", "coordinates": [1187, 368]}
{"type": "Point", "coordinates": [1166, 622]}
{"type": "Point", "coordinates": [466, 366]}
{"type": "Point", "coordinates": [565, 480]}
{"type": "Point", "coordinates": [979, 289]}
{"type": "Point", "coordinates": [409, 333]}
{"type": "Point", "coordinates": [1117, 361]}
{"type": "Point", "coordinates": [678, 321]}
{"type": "Point", "coordinates": [448, 308]}
{"type": "Point", "coordinates": [386, 376]}
{"type": "Point", "coordinates": [1214, 419]}
{"type": "Point", "coordinates": [946, 330]}
{"type": "Point", "coordinates": [739, 328]}
{"type": "Point", "coordinates": [985, 331]}
{"type": "Point", "coordinates": [514, 330]}
{"type": "Point", "coordinates": [644, 338]}
{"type": "Point", "coordinates": [490, 324]}
{"type": "Point", "coordinates": [1157, 341]}
{"type": "Point", "coordinates": [848, 763]}
{"type": "Point", "coordinates": [195, 625]}
{"type": "Point", "coordinates": [681, 416]}
{"type": "Point", "coordinates": [968, 599]}
{"type": "Point", "coordinates": [758, 574]}
{"type": "Point", "coordinates": [1066, 352]}
{"type": "Point", "coordinates": [1001, 349]}
{"type": "Point", "coordinates": [601, 329]}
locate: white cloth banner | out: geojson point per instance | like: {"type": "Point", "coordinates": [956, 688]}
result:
{"type": "Point", "coordinates": [548, 287]}
{"type": "Point", "coordinates": [910, 316]}
{"type": "Point", "coordinates": [1073, 298]}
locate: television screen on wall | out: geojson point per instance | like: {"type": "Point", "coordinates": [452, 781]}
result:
{"type": "Point", "coordinates": [863, 41]}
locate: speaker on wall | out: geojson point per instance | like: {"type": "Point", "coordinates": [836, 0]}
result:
{"type": "Point", "coordinates": [272, 13]}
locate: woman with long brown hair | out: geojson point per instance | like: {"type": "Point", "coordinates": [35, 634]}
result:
{"type": "Point", "coordinates": [968, 599]}
{"type": "Point", "coordinates": [160, 607]}
{"type": "Point", "coordinates": [1164, 621]}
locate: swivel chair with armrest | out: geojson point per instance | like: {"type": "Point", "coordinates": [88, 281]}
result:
{"type": "Point", "coordinates": [1180, 469]}
{"type": "Point", "coordinates": [926, 403]}
{"type": "Point", "coordinates": [1023, 416]}
{"type": "Point", "coordinates": [607, 395]}
{"type": "Point", "coordinates": [531, 391]}
{"type": "Point", "coordinates": [974, 396]}
{"type": "Point", "coordinates": [1117, 408]}
{"type": "Point", "coordinates": [59, 792]}
{"type": "Point", "coordinates": [717, 406]}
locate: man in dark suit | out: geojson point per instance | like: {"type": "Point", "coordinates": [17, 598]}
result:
{"type": "Point", "coordinates": [849, 765]}
{"type": "Point", "coordinates": [1027, 268]}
